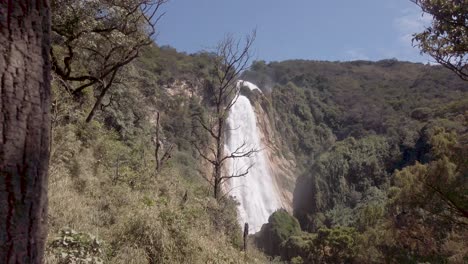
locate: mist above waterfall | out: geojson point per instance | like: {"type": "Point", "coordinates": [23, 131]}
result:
{"type": "Point", "coordinates": [256, 192]}
{"type": "Point", "coordinates": [249, 85]}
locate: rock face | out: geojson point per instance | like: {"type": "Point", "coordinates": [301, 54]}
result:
{"type": "Point", "coordinates": [280, 161]}
{"type": "Point", "coordinates": [183, 88]}
{"type": "Point", "coordinates": [283, 169]}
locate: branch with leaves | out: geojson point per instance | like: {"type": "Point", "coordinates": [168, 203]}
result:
{"type": "Point", "coordinates": [93, 40]}
{"type": "Point", "coordinates": [446, 39]}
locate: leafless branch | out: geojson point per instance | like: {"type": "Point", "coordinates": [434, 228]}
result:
{"type": "Point", "coordinates": [232, 58]}
{"type": "Point", "coordinates": [239, 175]}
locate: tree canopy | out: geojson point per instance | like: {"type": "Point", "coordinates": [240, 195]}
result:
{"type": "Point", "coordinates": [446, 39]}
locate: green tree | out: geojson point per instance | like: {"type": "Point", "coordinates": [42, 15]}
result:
{"type": "Point", "coordinates": [280, 227]}
{"type": "Point", "coordinates": [429, 203]}
{"type": "Point", "coordinates": [110, 34]}
{"type": "Point", "coordinates": [446, 39]}
{"type": "Point", "coordinates": [335, 245]}
{"type": "Point", "coordinates": [440, 186]}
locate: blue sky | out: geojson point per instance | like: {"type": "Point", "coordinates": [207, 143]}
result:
{"type": "Point", "coordinates": [298, 29]}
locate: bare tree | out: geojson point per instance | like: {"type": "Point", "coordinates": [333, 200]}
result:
{"type": "Point", "coordinates": [231, 59]}
{"type": "Point", "coordinates": [25, 129]}
{"type": "Point", "coordinates": [93, 40]}
{"type": "Point", "coordinates": [161, 154]}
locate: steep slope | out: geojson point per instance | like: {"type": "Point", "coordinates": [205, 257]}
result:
{"type": "Point", "coordinates": [103, 186]}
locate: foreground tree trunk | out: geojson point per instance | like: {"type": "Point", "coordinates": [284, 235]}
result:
{"type": "Point", "coordinates": [24, 129]}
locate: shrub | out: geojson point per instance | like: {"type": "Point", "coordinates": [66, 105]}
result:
{"type": "Point", "coordinates": [281, 225]}
{"type": "Point", "coordinates": [76, 247]}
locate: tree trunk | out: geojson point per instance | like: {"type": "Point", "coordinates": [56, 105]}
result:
{"type": "Point", "coordinates": [246, 235]}
{"type": "Point", "coordinates": [105, 88]}
{"type": "Point", "coordinates": [24, 129]}
{"type": "Point", "coordinates": [219, 156]}
{"type": "Point", "coordinates": [216, 189]}
{"type": "Point", "coordinates": [157, 146]}
{"type": "Point", "coordinates": [97, 104]}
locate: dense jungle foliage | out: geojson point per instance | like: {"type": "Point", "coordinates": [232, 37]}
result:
{"type": "Point", "coordinates": [382, 152]}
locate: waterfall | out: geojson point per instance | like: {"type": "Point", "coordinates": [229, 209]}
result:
{"type": "Point", "coordinates": [256, 192]}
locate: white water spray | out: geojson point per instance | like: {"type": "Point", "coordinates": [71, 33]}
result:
{"type": "Point", "coordinates": [256, 192]}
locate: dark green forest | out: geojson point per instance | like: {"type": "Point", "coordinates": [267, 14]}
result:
{"type": "Point", "coordinates": [382, 154]}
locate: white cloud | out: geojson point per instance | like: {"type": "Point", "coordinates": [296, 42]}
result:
{"type": "Point", "coordinates": [406, 23]}
{"type": "Point", "coordinates": [357, 54]}
{"type": "Point", "coordinates": [410, 22]}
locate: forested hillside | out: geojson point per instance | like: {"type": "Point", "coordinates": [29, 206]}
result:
{"type": "Point", "coordinates": [116, 149]}
{"type": "Point", "coordinates": [107, 201]}
{"type": "Point", "coordinates": [368, 139]}
{"type": "Point", "coordinates": [381, 149]}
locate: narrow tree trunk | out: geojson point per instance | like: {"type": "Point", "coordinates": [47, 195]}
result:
{"type": "Point", "coordinates": [216, 189]}
{"type": "Point", "coordinates": [24, 129]}
{"type": "Point", "coordinates": [219, 156]}
{"type": "Point", "coordinates": [97, 104]}
{"type": "Point", "coordinates": [105, 88]}
{"type": "Point", "coordinates": [158, 145]}
{"type": "Point", "coordinates": [246, 234]}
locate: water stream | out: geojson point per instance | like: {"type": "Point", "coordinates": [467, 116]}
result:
{"type": "Point", "coordinates": [256, 192]}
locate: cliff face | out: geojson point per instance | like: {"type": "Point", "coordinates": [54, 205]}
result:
{"type": "Point", "coordinates": [280, 161]}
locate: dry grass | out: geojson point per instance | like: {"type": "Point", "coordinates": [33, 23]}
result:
{"type": "Point", "coordinates": [140, 219]}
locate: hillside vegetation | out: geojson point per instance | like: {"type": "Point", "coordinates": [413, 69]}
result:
{"type": "Point", "coordinates": [367, 137]}
{"type": "Point", "coordinates": [382, 154]}
{"type": "Point", "coordinates": [368, 159]}
{"type": "Point", "coordinates": [107, 202]}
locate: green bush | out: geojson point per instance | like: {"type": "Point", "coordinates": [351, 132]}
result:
{"type": "Point", "coordinates": [298, 246]}
{"type": "Point", "coordinates": [76, 247]}
{"type": "Point", "coordinates": [335, 245]}
{"type": "Point", "coordinates": [281, 225]}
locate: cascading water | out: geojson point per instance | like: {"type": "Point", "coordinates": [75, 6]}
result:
{"type": "Point", "coordinates": [256, 192]}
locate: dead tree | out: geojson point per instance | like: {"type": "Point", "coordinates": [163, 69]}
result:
{"type": "Point", "coordinates": [94, 40]}
{"type": "Point", "coordinates": [161, 154]}
{"type": "Point", "coordinates": [231, 59]}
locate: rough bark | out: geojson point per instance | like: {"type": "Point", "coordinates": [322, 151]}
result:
{"type": "Point", "coordinates": [24, 129]}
